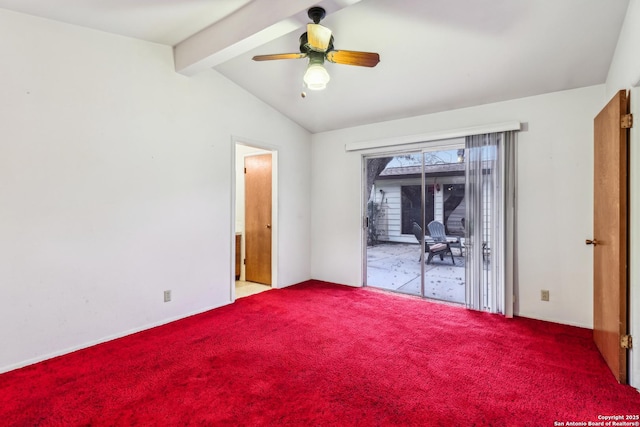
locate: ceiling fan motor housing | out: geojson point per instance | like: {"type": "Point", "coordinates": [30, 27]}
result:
{"type": "Point", "coordinates": [305, 47]}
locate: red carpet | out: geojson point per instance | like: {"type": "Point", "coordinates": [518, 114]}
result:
{"type": "Point", "coordinates": [318, 354]}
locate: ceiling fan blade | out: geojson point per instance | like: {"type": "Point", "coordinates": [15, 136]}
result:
{"type": "Point", "coordinates": [279, 56]}
{"type": "Point", "coordinates": [349, 57]}
{"type": "Point", "coordinates": [318, 37]}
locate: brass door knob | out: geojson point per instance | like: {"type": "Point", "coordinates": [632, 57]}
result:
{"type": "Point", "coordinates": [591, 242]}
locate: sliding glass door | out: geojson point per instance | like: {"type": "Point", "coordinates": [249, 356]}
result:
{"type": "Point", "coordinates": [415, 208]}
{"type": "Point", "coordinates": [393, 197]}
{"type": "Point", "coordinates": [444, 225]}
{"type": "Point", "coordinates": [440, 223]}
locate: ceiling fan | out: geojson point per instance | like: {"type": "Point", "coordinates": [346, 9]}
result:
{"type": "Point", "coordinates": [317, 45]}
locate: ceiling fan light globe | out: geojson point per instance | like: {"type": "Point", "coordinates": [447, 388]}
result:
{"type": "Point", "coordinates": [316, 77]}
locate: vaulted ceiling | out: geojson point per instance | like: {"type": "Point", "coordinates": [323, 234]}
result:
{"type": "Point", "coordinates": [436, 55]}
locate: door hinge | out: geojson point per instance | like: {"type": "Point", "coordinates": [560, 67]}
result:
{"type": "Point", "coordinates": [244, 261]}
{"type": "Point", "coordinates": [626, 121]}
{"type": "Point", "coordinates": [245, 170]}
{"type": "Point", "coordinates": [626, 341]}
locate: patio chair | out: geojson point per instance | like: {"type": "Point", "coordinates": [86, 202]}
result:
{"type": "Point", "coordinates": [436, 230]}
{"type": "Point", "coordinates": [434, 249]}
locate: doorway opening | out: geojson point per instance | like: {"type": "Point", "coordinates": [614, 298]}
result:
{"type": "Point", "coordinates": [255, 220]}
{"type": "Point", "coordinates": [415, 205]}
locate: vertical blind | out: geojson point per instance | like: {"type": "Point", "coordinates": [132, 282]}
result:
{"type": "Point", "coordinates": [490, 221]}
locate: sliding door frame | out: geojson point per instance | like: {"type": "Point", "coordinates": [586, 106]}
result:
{"type": "Point", "coordinates": [418, 148]}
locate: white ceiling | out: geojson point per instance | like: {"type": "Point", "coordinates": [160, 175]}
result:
{"type": "Point", "coordinates": [160, 21]}
{"type": "Point", "coordinates": [436, 55]}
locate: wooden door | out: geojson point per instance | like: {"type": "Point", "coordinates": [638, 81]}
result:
{"type": "Point", "coordinates": [258, 218]}
{"type": "Point", "coordinates": [610, 239]}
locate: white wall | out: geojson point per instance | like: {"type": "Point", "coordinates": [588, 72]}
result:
{"type": "Point", "coordinates": [624, 73]}
{"type": "Point", "coordinates": [115, 185]}
{"type": "Point", "coordinates": [555, 179]}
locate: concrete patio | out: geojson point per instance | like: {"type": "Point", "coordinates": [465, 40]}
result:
{"type": "Point", "coordinates": [395, 266]}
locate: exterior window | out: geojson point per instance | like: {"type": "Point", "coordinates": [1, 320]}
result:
{"type": "Point", "coordinates": [411, 206]}
{"type": "Point", "coordinates": [454, 209]}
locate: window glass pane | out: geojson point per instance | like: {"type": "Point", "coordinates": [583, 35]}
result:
{"type": "Point", "coordinates": [454, 209]}
{"type": "Point", "coordinates": [411, 206]}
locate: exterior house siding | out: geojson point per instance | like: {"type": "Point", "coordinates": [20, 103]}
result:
{"type": "Point", "coordinates": [388, 200]}
{"type": "Point", "coordinates": [388, 225]}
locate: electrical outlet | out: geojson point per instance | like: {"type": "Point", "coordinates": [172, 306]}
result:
{"type": "Point", "coordinates": [544, 295]}
{"type": "Point", "coordinates": [167, 296]}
